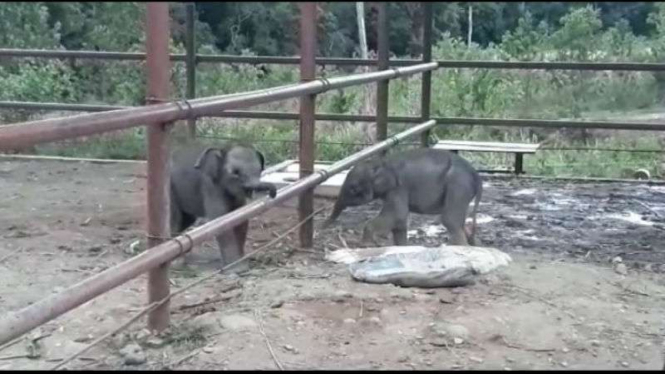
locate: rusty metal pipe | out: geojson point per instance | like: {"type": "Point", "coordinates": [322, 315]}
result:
{"type": "Point", "coordinates": [159, 73]}
{"type": "Point", "coordinates": [307, 147]}
{"type": "Point", "coordinates": [459, 121]}
{"type": "Point", "coordinates": [17, 136]}
{"type": "Point", "coordinates": [20, 322]}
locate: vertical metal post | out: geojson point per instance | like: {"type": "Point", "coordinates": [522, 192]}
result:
{"type": "Point", "coordinates": [307, 110]}
{"type": "Point", "coordinates": [426, 93]}
{"type": "Point", "coordinates": [158, 64]}
{"type": "Point", "coordinates": [382, 86]}
{"type": "Point", "coordinates": [190, 64]}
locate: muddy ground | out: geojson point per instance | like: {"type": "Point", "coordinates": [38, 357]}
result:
{"type": "Point", "coordinates": [561, 304]}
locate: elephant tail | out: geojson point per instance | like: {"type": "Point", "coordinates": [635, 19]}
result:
{"type": "Point", "coordinates": [479, 194]}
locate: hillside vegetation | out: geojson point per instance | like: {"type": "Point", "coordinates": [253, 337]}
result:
{"type": "Point", "coordinates": [595, 32]}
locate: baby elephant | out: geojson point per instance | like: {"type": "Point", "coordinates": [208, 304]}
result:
{"type": "Point", "coordinates": [211, 182]}
{"type": "Point", "coordinates": [422, 181]}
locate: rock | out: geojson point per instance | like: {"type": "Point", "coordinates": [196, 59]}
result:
{"type": "Point", "coordinates": [458, 341]}
{"type": "Point", "coordinates": [595, 343]}
{"type": "Point", "coordinates": [447, 329]}
{"type": "Point", "coordinates": [476, 359]}
{"type": "Point", "coordinates": [625, 364]}
{"type": "Point", "coordinates": [142, 335]}
{"type": "Point", "coordinates": [565, 350]}
{"type": "Point", "coordinates": [446, 299]}
{"type": "Point", "coordinates": [120, 340]}
{"type": "Point", "coordinates": [375, 320]}
{"type": "Point", "coordinates": [277, 304]}
{"type": "Point", "coordinates": [617, 260]}
{"type": "Point", "coordinates": [564, 364]}
{"type": "Point", "coordinates": [349, 321]}
{"type": "Point", "coordinates": [208, 350]}
{"type": "Point", "coordinates": [154, 342]}
{"type": "Point", "coordinates": [205, 321]}
{"type": "Point", "coordinates": [133, 354]}
{"type": "Point", "coordinates": [237, 322]}
{"type": "Point", "coordinates": [84, 339]}
{"type": "Point", "coordinates": [290, 348]}
{"type": "Point", "coordinates": [621, 269]}
{"type": "Point", "coordinates": [341, 296]}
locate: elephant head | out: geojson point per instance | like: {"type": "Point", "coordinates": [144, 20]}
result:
{"type": "Point", "coordinates": [237, 168]}
{"type": "Point", "coordinates": [365, 182]}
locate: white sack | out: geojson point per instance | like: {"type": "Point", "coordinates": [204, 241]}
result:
{"type": "Point", "coordinates": [417, 266]}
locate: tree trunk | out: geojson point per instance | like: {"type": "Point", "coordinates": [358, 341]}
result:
{"type": "Point", "coordinates": [367, 105]}
{"type": "Point", "coordinates": [470, 28]}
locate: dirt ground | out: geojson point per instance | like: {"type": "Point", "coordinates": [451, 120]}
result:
{"type": "Point", "coordinates": [561, 304]}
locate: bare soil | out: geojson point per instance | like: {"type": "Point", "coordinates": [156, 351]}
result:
{"type": "Point", "coordinates": [561, 304]}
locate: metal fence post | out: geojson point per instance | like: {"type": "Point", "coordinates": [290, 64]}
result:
{"type": "Point", "coordinates": [307, 110]}
{"type": "Point", "coordinates": [190, 64]}
{"type": "Point", "coordinates": [158, 64]}
{"type": "Point", "coordinates": [382, 86]}
{"type": "Point", "coordinates": [426, 93]}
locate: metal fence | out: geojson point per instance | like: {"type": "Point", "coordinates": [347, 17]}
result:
{"type": "Point", "coordinates": [161, 113]}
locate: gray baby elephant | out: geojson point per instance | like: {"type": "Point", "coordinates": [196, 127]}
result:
{"type": "Point", "coordinates": [422, 181]}
{"type": "Point", "coordinates": [210, 182]}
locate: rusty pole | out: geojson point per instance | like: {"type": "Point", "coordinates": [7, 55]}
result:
{"type": "Point", "coordinates": [25, 134]}
{"type": "Point", "coordinates": [382, 86]}
{"type": "Point", "coordinates": [15, 324]}
{"type": "Point", "coordinates": [426, 92]}
{"type": "Point", "coordinates": [190, 64]}
{"type": "Point", "coordinates": [157, 47]}
{"type": "Point", "coordinates": [307, 149]}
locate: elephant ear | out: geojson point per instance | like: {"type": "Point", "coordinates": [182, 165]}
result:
{"type": "Point", "coordinates": [384, 179]}
{"type": "Point", "coordinates": [261, 159]}
{"type": "Point", "coordinates": [210, 162]}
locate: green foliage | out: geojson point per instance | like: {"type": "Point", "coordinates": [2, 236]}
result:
{"type": "Point", "coordinates": [552, 31]}
{"type": "Point", "coordinates": [25, 25]}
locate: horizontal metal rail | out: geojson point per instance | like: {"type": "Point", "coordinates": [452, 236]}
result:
{"type": "Point", "coordinates": [18, 136]}
{"type": "Point", "coordinates": [354, 118]}
{"type": "Point", "coordinates": [138, 56]}
{"type": "Point", "coordinates": [20, 322]}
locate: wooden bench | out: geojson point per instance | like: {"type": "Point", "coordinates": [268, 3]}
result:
{"type": "Point", "coordinates": [519, 149]}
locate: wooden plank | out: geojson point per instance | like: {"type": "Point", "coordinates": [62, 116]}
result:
{"type": "Point", "coordinates": [496, 144]}
{"type": "Point", "coordinates": [287, 172]}
{"type": "Point", "coordinates": [484, 149]}
{"type": "Point", "coordinates": [487, 147]}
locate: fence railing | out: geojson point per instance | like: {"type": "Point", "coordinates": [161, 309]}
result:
{"type": "Point", "coordinates": [159, 114]}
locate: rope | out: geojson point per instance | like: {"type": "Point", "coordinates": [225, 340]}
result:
{"type": "Point", "coordinates": [157, 304]}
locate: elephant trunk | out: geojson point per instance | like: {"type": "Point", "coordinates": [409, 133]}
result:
{"type": "Point", "coordinates": [262, 186]}
{"type": "Point", "coordinates": [337, 210]}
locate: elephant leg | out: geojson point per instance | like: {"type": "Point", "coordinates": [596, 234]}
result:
{"type": "Point", "coordinates": [227, 242]}
{"type": "Point", "coordinates": [393, 217]}
{"type": "Point", "coordinates": [240, 232]}
{"type": "Point", "coordinates": [178, 225]}
{"type": "Point", "coordinates": [454, 212]}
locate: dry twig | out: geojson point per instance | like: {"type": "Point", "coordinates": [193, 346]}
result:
{"type": "Point", "coordinates": [265, 337]}
{"type": "Point", "coordinates": [19, 249]}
